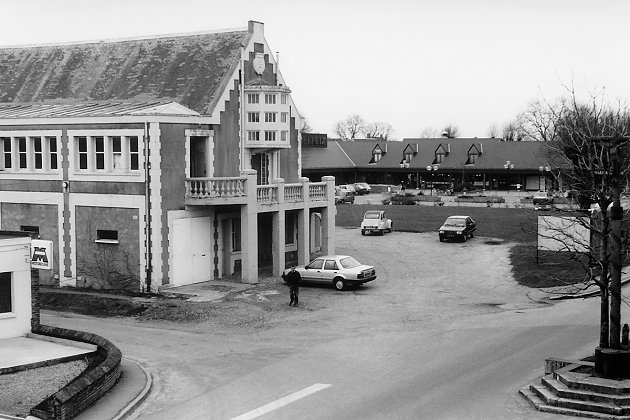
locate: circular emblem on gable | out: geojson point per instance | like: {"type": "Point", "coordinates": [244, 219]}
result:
{"type": "Point", "coordinates": [259, 63]}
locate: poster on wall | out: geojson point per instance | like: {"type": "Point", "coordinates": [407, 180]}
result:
{"type": "Point", "coordinates": [41, 254]}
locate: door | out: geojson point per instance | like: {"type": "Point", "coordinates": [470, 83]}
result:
{"type": "Point", "coordinates": [330, 270]}
{"type": "Point", "coordinates": [260, 162]}
{"type": "Point", "coordinates": [314, 272]}
{"type": "Point", "coordinates": [191, 250]}
{"type": "Point", "coordinates": [198, 168]}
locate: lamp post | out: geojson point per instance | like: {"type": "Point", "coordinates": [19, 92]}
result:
{"type": "Point", "coordinates": [432, 169]}
{"type": "Point", "coordinates": [507, 166]}
{"type": "Point", "coordinates": [543, 177]}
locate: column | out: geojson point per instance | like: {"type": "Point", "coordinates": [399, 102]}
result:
{"type": "Point", "coordinates": [278, 241]}
{"type": "Point", "coordinates": [304, 240]}
{"type": "Point", "coordinates": [249, 231]}
{"type": "Point", "coordinates": [328, 217]}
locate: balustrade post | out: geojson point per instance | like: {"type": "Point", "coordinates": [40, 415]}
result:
{"type": "Point", "coordinates": [305, 189]}
{"type": "Point", "coordinates": [279, 182]}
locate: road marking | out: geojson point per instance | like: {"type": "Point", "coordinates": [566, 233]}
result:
{"type": "Point", "coordinates": [281, 402]}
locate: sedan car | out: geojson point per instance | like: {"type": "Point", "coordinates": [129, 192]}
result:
{"type": "Point", "coordinates": [375, 221]}
{"type": "Point", "coordinates": [348, 188]}
{"type": "Point", "coordinates": [339, 270]}
{"type": "Point", "coordinates": [362, 188]}
{"type": "Point", "coordinates": [458, 227]}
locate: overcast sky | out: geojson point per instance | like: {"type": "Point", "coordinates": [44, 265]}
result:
{"type": "Point", "coordinates": [411, 63]}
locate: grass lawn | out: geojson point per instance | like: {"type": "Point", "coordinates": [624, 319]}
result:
{"type": "Point", "coordinates": [517, 226]}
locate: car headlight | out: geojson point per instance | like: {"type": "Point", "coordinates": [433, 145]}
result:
{"type": "Point", "coordinates": [459, 232]}
{"type": "Point", "coordinates": [441, 232]}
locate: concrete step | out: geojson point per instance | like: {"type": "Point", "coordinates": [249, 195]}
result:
{"type": "Point", "coordinates": [550, 398]}
{"type": "Point", "coordinates": [593, 384]}
{"type": "Point", "coordinates": [563, 391]}
{"type": "Point", "coordinates": [540, 405]}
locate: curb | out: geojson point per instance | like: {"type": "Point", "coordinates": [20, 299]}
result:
{"type": "Point", "coordinates": [130, 408]}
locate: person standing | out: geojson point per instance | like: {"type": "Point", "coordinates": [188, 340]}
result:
{"type": "Point", "coordinates": [293, 279]}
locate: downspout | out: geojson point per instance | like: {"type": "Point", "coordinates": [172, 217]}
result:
{"type": "Point", "coordinates": [147, 202]}
{"type": "Point", "coordinates": [241, 109]}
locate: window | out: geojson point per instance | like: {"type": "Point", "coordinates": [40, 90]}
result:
{"type": "Point", "coordinates": [106, 236]}
{"type": "Point", "coordinates": [134, 156]}
{"type": "Point", "coordinates": [316, 264]}
{"type": "Point", "coordinates": [283, 99]}
{"type": "Point", "coordinates": [117, 163]}
{"type": "Point", "coordinates": [52, 149]}
{"type": "Point", "coordinates": [83, 152]}
{"type": "Point", "coordinates": [31, 229]}
{"type": "Point", "coordinates": [236, 235]}
{"type": "Point", "coordinates": [330, 265]}
{"type": "Point", "coordinates": [270, 136]}
{"type": "Point", "coordinates": [408, 157]}
{"type": "Point", "coordinates": [38, 152]}
{"type": "Point", "coordinates": [284, 117]}
{"type": "Point", "coordinates": [253, 117]}
{"type": "Point", "coordinates": [99, 150]}
{"type": "Point", "coordinates": [472, 158]}
{"type": "Point", "coordinates": [270, 116]}
{"type": "Point", "coordinates": [252, 98]}
{"type": "Point", "coordinates": [439, 157]}
{"type": "Point", "coordinates": [270, 98]}
{"type": "Point", "coordinates": [6, 293]}
{"type": "Point", "coordinates": [284, 135]}
{"type": "Point", "coordinates": [376, 156]}
{"type": "Point", "coordinates": [253, 136]}
{"type": "Point", "coordinates": [6, 149]}
{"type": "Point", "coordinates": [22, 153]}
{"type": "Point", "coordinates": [289, 228]}
{"type": "Point", "coordinates": [106, 154]}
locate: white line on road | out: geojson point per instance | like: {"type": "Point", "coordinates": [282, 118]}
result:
{"type": "Point", "coordinates": [281, 402]}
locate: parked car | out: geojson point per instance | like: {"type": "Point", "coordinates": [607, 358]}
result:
{"type": "Point", "coordinates": [339, 270]}
{"type": "Point", "coordinates": [375, 221]}
{"type": "Point", "coordinates": [543, 198]}
{"type": "Point", "coordinates": [343, 196]}
{"type": "Point", "coordinates": [458, 227]}
{"type": "Point", "coordinates": [362, 188]}
{"type": "Point", "coordinates": [349, 188]}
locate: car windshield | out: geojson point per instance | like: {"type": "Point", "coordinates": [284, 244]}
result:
{"type": "Point", "coordinates": [455, 222]}
{"type": "Point", "coordinates": [349, 262]}
{"type": "Point", "coordinates": [372, 215]}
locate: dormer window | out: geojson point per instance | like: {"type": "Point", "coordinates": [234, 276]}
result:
{"type": "Point", "coordinates": [473, 155]}
{"type": "Point", "coordinates": [440, 153]}
{"type": "Point", "coordinates": [377, 154]}
{"type": "Point", "coordinates": [408, 157]}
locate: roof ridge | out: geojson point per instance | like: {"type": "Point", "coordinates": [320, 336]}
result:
{"type": "Point", "coordinates": [126, 39]}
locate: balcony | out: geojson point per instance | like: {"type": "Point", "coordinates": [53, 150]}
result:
{"type": "Point", "coordinates": [244, 191]}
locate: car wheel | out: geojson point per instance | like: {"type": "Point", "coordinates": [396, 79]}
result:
{"type": "Point", "coordinates": [441, 239]}
{"type": "Point", "coordinates": [339, 283]}
{"type": "Point", "coordinates": [381, 232]}
{"type": "Point", "coordinates": [391, 226]}
{"type": "Point", "coordinates": [362, 232]}
{"type": "Point", "coordinates": [465, 238]}
{"type": "Point", "coordinates": [472, 234]}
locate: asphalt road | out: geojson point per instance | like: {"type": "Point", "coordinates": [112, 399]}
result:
{"type": "Point", "coordinates": [443, 333]}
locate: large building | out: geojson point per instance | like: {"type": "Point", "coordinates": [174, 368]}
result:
{"type": "Point", "coordinates": [444, 163]}
{"type": "Point", "coordinates": [158, 162]}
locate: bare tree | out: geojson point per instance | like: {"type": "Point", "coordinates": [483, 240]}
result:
{"type": "Point", "coordinates": [493, 131]}
{"type": "Point", "coordinates": [428, 133]}
{"type": "Point", "coordinates": [591, 143]}
{"type": "Point", "coordinates": [450, 131]}
{"type": "Point", "coordinates": [350, 128]}
{"type": "Point", "coordinates": [512, 131]}
{"type": "Point", "coordinates": [306, 127]}
{"type": "Point", "coordinates": [378, 130]}
{"type": "Point", "coordinates": [537, 122]}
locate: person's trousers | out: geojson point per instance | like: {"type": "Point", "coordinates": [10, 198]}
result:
{"type": "Point", "coordinates": [294, 292]}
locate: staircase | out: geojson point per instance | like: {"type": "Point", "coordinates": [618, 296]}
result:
{"type": "Point", "coordinates": [571, 388]}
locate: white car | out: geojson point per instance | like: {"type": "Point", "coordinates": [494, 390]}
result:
{"type": "Point", "coordinates": [375, 221]}
{"type": "Point", "coordinates": [339, 270]}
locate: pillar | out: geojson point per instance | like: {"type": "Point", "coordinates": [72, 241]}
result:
{"type": "Point", "coordinates": [249, 231]}
{"type": "Point", "coordinates": [278, 234]}
{"type": "Point", "coordinates": [328, 218]}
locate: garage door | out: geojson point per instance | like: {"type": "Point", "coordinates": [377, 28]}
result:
{"type": "Point", "coordinates": [191, 250]}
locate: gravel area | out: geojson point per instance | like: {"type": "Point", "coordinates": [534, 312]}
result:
{"type": "Point", "coordinates": [21, 391]}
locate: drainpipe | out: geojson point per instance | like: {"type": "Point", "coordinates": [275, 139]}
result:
{"type": "Point", "coordinates": [242, 109]}
{"type": "Point", "coordinates": [147, 202]}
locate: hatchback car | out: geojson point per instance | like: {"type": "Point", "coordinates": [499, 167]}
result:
{"type": "Point", "coordinates": [542, 198]}
{"type": "Point", "coordinates": [362, 188]}
{"type": "Point", "coordinates": [348, 188]}
{"type": "Point", "coordinates": [375, 221]}
{"type": "Point", "coordinates": [339, 270]}
{"type": "Point", "coordinates": [342, 196]}
{"type": "Point", "coordinates": [458, 227]}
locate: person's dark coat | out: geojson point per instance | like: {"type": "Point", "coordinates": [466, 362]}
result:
{"type": "Point", "coordinates": [293, 278]}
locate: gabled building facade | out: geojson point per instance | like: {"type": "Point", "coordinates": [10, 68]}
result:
{"type": "Point", "coordinates": [444, 163]}
{"type": "Point", "coordinates": [158, 162]}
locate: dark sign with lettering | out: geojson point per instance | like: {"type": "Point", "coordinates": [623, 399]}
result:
{"type": "Point", "coordinates": [314, 140]}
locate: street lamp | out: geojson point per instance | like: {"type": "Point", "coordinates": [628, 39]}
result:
{"type": "Point", "coordinates": [432, 170]}
{"type": "Point", "coordinates": [543, 177]}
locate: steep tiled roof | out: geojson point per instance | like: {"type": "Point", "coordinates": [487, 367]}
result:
{"type": "Point", "coordinates": [525, 155]}
{"type": "Point", "coordinates": [91, 109]}
{"type": "Point", "coordinates": [187, 69]}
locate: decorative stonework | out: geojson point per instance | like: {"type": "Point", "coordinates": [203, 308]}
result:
{"type": "Point", "coordinates": [259, 63]}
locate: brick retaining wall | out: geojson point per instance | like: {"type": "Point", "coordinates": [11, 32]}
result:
{"type": "Point", "coordinates": [88, 387]}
